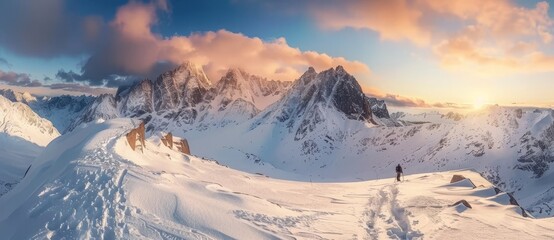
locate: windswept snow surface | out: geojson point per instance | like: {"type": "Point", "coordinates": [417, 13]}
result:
{"type": "Point", "coordinates": [23, 135]}
{"type": "Point", "coordinates": [511, 147]}
{"type": "Point", "coordinates": [16, 156]}
{"type": "Point", "coordinates": [90, 184]}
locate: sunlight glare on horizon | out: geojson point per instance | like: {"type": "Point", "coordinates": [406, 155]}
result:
{"type": "Point", "coordinates": [479, 102]}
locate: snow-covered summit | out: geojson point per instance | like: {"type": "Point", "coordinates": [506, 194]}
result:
{"type": "Point", "coordinates": [19, 120]}
{"type": "Point", "coordinates": [314, 97]}
{"type": "Point", "coordinates": [22, 97]}
{"type": "Point", "coordinates": [236, 84]}
{"type": "Point", "coordinates": [184, 86]}
{"type": "Point", "coordinates": [102, 108]}
{"type": "Point", "coordinates": [62, 110]}
{"type": "Point", "coordinates": [184, 98]}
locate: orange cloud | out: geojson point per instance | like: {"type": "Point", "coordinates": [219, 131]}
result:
{"type": "Point", "coordinates": [465, 54]}
{"type": "Point", "coordinates": [392, 19]}
{"type": "Point", "coordinates": [276, 59]}
{"type": "Point", "coordinates": [135, 50]}
{"type": "Point", "coordinates": [500, 18]}
{"type": "Point", "coordinates": [484, 37]}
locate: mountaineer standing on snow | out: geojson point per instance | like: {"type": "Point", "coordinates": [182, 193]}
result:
{"type": "Point", "coordinates": [398, 172]}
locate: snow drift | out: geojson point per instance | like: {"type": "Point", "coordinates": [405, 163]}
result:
{"type": "Point", "coordinates": [23, 135]}
{"type": "Point", "coordinates": [89, 184]}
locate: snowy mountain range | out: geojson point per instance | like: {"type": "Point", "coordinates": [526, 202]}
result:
{"type": "Point", "coordinates": [62, 111]}
{"type": "Point", "coordinates": [323, 127]}
{"type": "Point", "coordinates": [185, 98]}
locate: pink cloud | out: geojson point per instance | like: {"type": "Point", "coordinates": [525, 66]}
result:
{"type": "Point", "coordinates": [134, 49]}
{"type": "Point", "coordinates": [488, 37]}
{"type": "Point", "coordinates": [392, 19]}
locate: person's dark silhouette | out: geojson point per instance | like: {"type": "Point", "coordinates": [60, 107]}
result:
{"type": "Point", "coordinates": [398, 172]}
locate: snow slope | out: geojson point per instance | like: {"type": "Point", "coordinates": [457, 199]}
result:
{"type": "Point", "coordinates": [89, 184]}
{"type": "Point", "coordinates": [16, 156]}
{"type": "Point", "coordinates": [23, 135]}
{"type": "Point", "coordinates": [512, 147]}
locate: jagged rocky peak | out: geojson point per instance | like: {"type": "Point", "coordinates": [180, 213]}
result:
{"type": "Point", "coordinates": [308, 76]}
{"type": "Point", "coordinates": [234, 85]}
{"type": "Point", "coordinates": [185, 86]}
{"type": "Point", "coordinates": [378, 107]}
{"type": "Point", "coordinates": [319, 103]}
{"type": "Point", "coordinates": [103, 107]}
{"type": "Point", "coordinates": [237, 84]}
{"type": "Point", "coordinates": [454, 116]}
{"type": "Point", "coordinates": [234, 79]}
{"type": "Point", "coordinates": [137, 99]}
{"type": "Point", "coordinates": [341, 89]}
{"type": "Point", "coordinates": [313, 93]}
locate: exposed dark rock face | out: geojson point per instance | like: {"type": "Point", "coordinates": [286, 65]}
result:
{"type": "Point", "coordinates": [454, 116]}
{"type": "Point", "coordinates": [378, 107]}
{"type": "Point", "coordinates": [539, 152]}
{"type": "Point", "coordinates": [184, 86]}
{"type": "Point", "coordinates": [346, 94]}
{"type": "Point", "coordinates": [314, 97]}
{"type": "Point", "coordinates": [137, 100]}
{"type": "Point", "coordinates": [185, 98]}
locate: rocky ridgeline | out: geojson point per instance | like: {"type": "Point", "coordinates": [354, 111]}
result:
{"type": "Point", "coordinates": [185, 98]}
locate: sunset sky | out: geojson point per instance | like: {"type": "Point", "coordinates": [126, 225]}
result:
{"type": "Point", "coordinates": [421, 53]}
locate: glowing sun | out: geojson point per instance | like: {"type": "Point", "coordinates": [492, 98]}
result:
{"type": "Point", "coordinates": [479, 103]}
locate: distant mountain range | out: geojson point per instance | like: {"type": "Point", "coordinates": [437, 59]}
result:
{"type": "Point", "coordinates": [185, 98]}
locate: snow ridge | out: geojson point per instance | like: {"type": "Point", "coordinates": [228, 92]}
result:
{"type": "Point", "coordinates": [185, 99]}
{"type": "Point", "coordinates": [89, 184]}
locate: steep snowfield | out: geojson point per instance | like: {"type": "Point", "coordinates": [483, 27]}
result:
{"type": "Point", "coordinates": [23, 134]}
{"type": "Point", "coordinates": [89, 184]}
{"type": "Point", "coordinates": [16, 156]}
